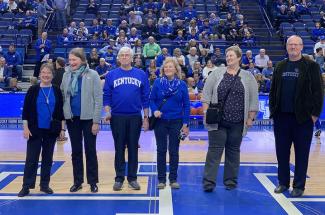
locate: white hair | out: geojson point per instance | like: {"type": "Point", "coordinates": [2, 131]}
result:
{"type": "Point", "coordinates": [126, 49]}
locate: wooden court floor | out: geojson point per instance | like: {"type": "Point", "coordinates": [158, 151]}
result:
{"type": "Point", "coordinates": [257, 150]}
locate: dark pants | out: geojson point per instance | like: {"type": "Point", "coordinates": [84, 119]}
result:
{"type": "Point", "coordinates": [287, 131]}
{"type": "Point", "coordinates": [43, 141]}
{"type": "Point", "coordinates": [126, 131]}
{"type": "Point", "coordinates": [318, 125]}
{"type": "Point", "coordinates": [167, 133]}
{"type": "Point", "coordinates": [38, 67]}
{"type": "Point", "coordinates": [228, 137]}
{"type": "Point", "coordinates": [78, 130]}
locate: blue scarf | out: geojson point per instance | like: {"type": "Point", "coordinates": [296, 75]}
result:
{"type": "Point", "coordinates": [169, 87]}
{"type": "Point", "coordinates": [74, 80]}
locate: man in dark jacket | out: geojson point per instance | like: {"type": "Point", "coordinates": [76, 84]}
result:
{"type": "Point", "coordinates": [296, 100]}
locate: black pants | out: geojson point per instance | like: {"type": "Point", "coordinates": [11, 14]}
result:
{"type": "Point", "coordinates": [287, 131]}
{"type": "Point", "coordinates": [43, 141]}
{"type": "Point", "coordinates": [126, 131]}
{"type": "Point", "coordinates": [78, 130]}
{"type": "Point", "coordinates": [167, 133]}
{"type": "Point", "coordinates": [229, 137]}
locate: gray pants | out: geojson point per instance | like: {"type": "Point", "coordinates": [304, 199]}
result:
{"type": "Point", "coordinates": [228, 137]}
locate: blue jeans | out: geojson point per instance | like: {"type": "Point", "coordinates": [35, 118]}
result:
{"type": "Point", "coordinates": [317, 124]}
{"type": "Point", "coordinates": [60, 19]}
{"type": "Point", "coordinates": [166, 133]}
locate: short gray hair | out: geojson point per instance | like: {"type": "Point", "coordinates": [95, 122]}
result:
{"type": "Point", "coordinates": [126, 49]}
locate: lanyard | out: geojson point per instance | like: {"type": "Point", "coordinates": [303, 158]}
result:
{"type": "Point", "coordinates": [48, 95]}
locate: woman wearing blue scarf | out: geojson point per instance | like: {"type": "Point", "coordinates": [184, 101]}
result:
{"type": "Point", "coordinates": [83, 101]}
{"type": "Point", "coordinates": [173, 118]}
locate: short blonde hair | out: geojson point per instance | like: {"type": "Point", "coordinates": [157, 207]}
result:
{"type": "Point", "coordinates": [235, 49]}
{"type": "Point", "coordinates": [176, 64]}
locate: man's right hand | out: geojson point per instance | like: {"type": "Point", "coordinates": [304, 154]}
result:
{"type": "Point", "coordinates": [107, 117]}
{"type": "Point", "coordinates": [157, 114]}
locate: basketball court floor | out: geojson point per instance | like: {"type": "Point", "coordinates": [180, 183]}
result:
{"type": "Point", "coordinates": [254, 194]}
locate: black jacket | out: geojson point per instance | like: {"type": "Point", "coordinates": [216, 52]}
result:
{"type": "Point", "coordinates": [58, 75]}
{"type": "Point", "coordinates": [30, 107]}
{"type": "Point", "coordinates": [309, 90]}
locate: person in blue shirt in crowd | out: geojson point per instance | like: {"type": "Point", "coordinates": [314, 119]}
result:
{"type": "Point", "coordinates": [64, 38]}
{"type": "Point", "coordinates": [109, 27]}
{"type": "Point", "coordinates": [3, 7]}
{"type": "Point", "coordinates": [95, 28]}
{"type": "Point", "coordinates": [5, 73]}
{"type": "Point", "coordinates": [14, 62]}
{"type": "Point", "coordinates": [160, 58]}
{"type": "Point", "coordinates": [30, 22]}
{"type": "Point", "coordinates": [83, 102]}
{"type": "Point", "coordinates": [42, 103]}
{"type": "Point", "coordinates": [190, 12]}
{"type": "Point", "coordinates": [247, 59]}
{"type": "Point", "coordinates": [126, 94]}
{"type": "Point", "coordinates": [102, 69]}
{"type": "Point", "coordinates": [165, 31]}
{"type": "Point", "coordinates": [317, 31]}
{"type": "Point", "coordinates": [172, 119]}
{"type": "Point", "coordinates": [109, 57]}
{"type": "Point", "coordinates": [43, 47]}
{"type": "Point", "coordinates": [193, 35]}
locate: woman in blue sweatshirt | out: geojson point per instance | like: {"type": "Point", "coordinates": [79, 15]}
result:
{"type": "Point", "coordinates": [173, 118]}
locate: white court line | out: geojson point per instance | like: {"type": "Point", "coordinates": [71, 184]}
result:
{"type": "Point", "coordinates": [307, 199]}
{"type": "Point", "coordinates": [222, 164]}
{"type": "Point", "coordinates": [118, 198]}
{"type": "Point", "coordinates": [284, 202]}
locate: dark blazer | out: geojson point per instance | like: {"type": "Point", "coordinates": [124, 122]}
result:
{"type": "Point", "coordinates": [309, 90]}
{"type": "Point", "coordinates": [30, 107]}
{"type": "Point", "coordinates": [58, 75]}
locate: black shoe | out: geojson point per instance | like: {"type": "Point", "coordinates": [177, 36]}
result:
{"type": "Point", "coordinates": [296, 192]}
{"type": "Point", "coordinates": [231, 186]}
{"type": "Point", "coordinates": [208, 190]}
{"type": "Point", "coordinates": [280, 189]}
{"type": "Point", "coordinates": [93, 188]}
{"type": "Point", "coordinates": [23, 192]}
{"type": "Point", "coordinates": [47, 190]}
{"type": "Point", "coordinates": [317, 133]}
{"type": "Point", "coordinates": [75, 188]}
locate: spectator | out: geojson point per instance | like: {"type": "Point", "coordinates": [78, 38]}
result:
{"type": "Point", "coordinates": [206, 45]}
{"type": "Point", "coordinates": [92, 7]}
{"type": "Point", "coordinates": [123, 26]}
{"type": "Point", "coordinates": [262, 83]}
{"type": "Point", "coordinates": [150, 15]}
{"type": "Point", "coordinates": [134, 20]}
{"type": "Point", "coordinates": [149, 30]}
{"type": "Point", "coordinates": [180, 38]}
{"type": "Point", "coordinates": [164, 18]}
{"type": "Point", "coordinates": [320, 44]}
{"type": "Point", "coordinates": [268, 71]}
{"type": "Point", "coordinates": [95, 28]}
{"type": "Point", "coordinates": [41, 16]}
{"type": "Point", "coordinates": [58, 71]}
{"type": "Point", "coordinates": [43, 48]}
{"type": "Point", "coordinates": [165, 5]}
{"type": "Point", "coordinates": [3, 7]}
{"type": "Point", "coordinates": [165, 31]}
{"type": "Point", "coordinates": [198, 82]}
{"type": "Point", "coordinates": [137, 47]}
{"type": "Point", "coordinates": [293, 14]}
{"type": "Point", "coordinates": [150, 5]}
{"type": "Point", "coordinates": [205, 30]}
{"type": "Point", "coordinates": [248, 40]}
{"type": "Point", "coordinates": [191, 85]}
{"type": "Point", "coordinates": [197, 68]}
{"type": "Point", "coordinates": [204, 57]}
{"type": "Point", "coordinates": [193, 35]}
{"type": "Point", "coordinates": [93, 59]}
{"type": "Point", "coordinates": [73, 29]}
{"type": "Point", "coordinates": [252, 69]}
{"type": "Point", "coordinates": [193, 25]}
{"type": "Point", "coordinates": [133, 36]}
{"type": "Point", "coordinates": [261, 60]}
{"type": "Point", "coordinates": [210, 67]}
{"type": "Point", "coordinates": [24, 6]}
{"type": "Point", "coordinates": [177, 54]}
{"type": "Point", "coordinates": [82, 28]}
{"type": "Point", "coordinates": [103, 68]}
{"type": "Point", "coordinates": [244, 30]}
{"type": "Point", "coordinates": [110, 57]}
{"type": "Point", "coordinates": [192, 56]}
{"type": "Point", "coordinates": [179, 26]}
{"type": "Point", "coordinates": [5, 73]}
{"type": "Point", "coordinates": [151, 49]}
{"type": "Point", "coordinates": [191, 43]}
{"type": "Point", "coordinates": [152, 68]}
{"type": "Point", "coordinates": [109, 27]}
{"type": "Point", "coordinates": [217, 58]}
{"type": "Point", "coordinates": [60, 7]}
{"type": "Point", "coordinates": [29, 21]}
{"type": "Point", "coordinates": [122, 42]}
{"type": "Point", "coordinates": [65, 38]}
{"type": "Point", "coordinates": [13, 86]}
{"type": "Point", "coordinates": [138, 63]}
{"type": "Point", "coordinates": [317, 32]}
{"type": "Point", "coordinates": [247, 59]}
{"type": "Point", "coordinates": [190, 12]}
{"type": "Point", "coordinates": [160, 58]}
{"type": "Point", "coordinates": [14, 62]}
{"type": "Point", "coordinates": [319, 58]}
{"type": "Point", "coordinates": [12, 6]}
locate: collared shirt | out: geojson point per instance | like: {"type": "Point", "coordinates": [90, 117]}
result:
{"type": "Point", "coordinates": [261, 61]}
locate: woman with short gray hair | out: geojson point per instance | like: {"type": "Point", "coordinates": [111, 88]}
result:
{"type": "Point", "coordinates": [236, 90]}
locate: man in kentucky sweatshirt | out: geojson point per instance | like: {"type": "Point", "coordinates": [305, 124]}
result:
{"type": "Point", "coordinates": [126, 93]}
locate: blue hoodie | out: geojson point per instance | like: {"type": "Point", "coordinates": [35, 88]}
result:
{"type": "Point", "coordinates": [126, 92]}
{"type": "Point", "coordinates": [176, 107]}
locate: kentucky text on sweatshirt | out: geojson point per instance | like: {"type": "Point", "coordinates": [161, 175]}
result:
{"type": "Point", "coordinates": [126, 92]}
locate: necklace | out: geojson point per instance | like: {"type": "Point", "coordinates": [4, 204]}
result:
{"type": "Point", "coordinates": [48, 95]}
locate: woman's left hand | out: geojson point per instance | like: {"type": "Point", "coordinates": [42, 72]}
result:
{"type": "Point", "coordinates": [95, 129]}
{"type": "Point", "coordinates": [185, 130]}
{"type": "Point", "coordinates": [249, 123]}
